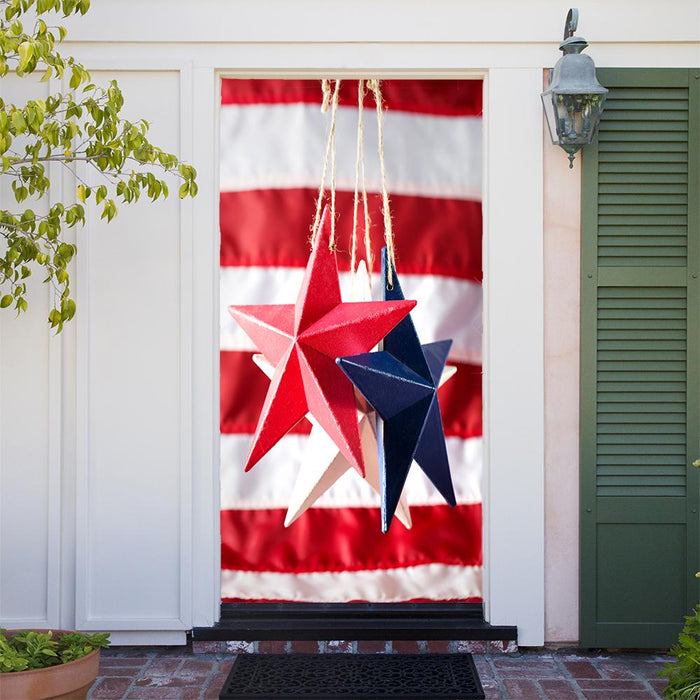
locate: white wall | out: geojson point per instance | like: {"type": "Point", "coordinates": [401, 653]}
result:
{"type": "Point", "coordinates": [109, 433]}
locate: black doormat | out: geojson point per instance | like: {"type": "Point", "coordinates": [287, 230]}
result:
{"type": "Point", "coordinates": [405, 676]}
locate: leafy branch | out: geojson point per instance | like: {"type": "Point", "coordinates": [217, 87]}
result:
{"type": "Point", "coordinates": [82, 125]}
{"type": "Point", "coordinates": [684, 673]}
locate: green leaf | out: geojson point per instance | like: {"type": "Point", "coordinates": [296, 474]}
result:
{"type": "Point", "coordinates": [19, 125]}
{"type": "Point", "coordinates": [69, 312]}
{"type": "Point", "coordinates": [684, 674]}
{"type": "Point", "coordinates": [26, 53]}
{"type": "Point", "coordinates": [75, 78]}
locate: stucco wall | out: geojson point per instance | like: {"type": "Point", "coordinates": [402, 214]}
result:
{"type": "Point", "coordinates": [562, 235]}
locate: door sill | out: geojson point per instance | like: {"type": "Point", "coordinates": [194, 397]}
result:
{"type": "Point", "coordinates": [355, 621]}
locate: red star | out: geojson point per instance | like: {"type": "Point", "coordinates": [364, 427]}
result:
{"type": "Point", "coordinates": [302, 343]}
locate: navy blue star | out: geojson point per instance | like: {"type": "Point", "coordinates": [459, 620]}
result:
{"type": "Point", "coordinates": [400, 382]}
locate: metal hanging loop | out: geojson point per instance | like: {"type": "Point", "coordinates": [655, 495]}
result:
{"type": "Point", "coordinates": [571, 23]}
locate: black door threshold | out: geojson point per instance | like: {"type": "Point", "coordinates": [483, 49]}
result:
{"type": "Point", "coordinates": [353, 621]}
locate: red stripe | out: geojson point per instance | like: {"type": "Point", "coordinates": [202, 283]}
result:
{"type": "Point", "coordinates": [461, 402]}
{"type": "Point", "coordinates": [243, 389]}
{"type": "Point", "coordinates": [439, 97]}
{"type": "Point", "coordinates": [349, 539]}
{"type": "Point", "coordinates": [271, 228]}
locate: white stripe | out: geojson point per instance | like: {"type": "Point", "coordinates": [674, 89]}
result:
{"type": "Point", "coordinates": [435, 295]}
{"type": "Point", "coordinates": [432, 581]}
{"type": "Point", "coordinates": [269, 483]}
{"type": "Point", "coordinates": [282, 146]}
{"type": "Point", "coordinates": [465, 466]}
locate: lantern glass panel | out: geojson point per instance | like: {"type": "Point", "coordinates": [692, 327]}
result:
{"type": "Point", "coordinates": [577, 117]}
{"type": "Point", "coordinates": [548, 102]}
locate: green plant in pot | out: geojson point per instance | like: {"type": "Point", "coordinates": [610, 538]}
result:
{"type": "Point", "coordinates": [41, 664]}
{"type": "Point", "coordinates": [684, 673]}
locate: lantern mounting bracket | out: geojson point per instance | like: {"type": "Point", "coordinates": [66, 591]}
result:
{"type": "Point", "coordinates": [571, 23]}
{"type": "Point", "coordinates": [573, 102]}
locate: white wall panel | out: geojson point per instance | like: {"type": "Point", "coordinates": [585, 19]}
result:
{"type": "Point", "coordinates": [29, 468]}
{"type": "Point", "coordinates": [134, 515]}
{"type": "Point", "coordinates": [30, 420]}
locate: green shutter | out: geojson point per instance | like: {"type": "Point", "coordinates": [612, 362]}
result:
{"type": "Point", "coordinates": [639, 360]}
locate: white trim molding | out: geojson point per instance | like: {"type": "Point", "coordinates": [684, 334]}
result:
{"type": "Point", "coordinates": [514, 356]}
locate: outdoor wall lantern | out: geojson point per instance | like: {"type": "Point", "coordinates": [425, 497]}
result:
{"type": "Point", "coordinates": [573, 102]}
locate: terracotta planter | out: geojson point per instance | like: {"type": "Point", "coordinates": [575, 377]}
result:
{"type": "Point", "coordinates": [69, 681]}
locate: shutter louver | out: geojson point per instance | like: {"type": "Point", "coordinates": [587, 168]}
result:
{"type": "Point", "coordinates": [641, 388]}
{"type": "Point", "coordinates": [640, 342]}
{"type": "Point", "coordinates": [643, 178]}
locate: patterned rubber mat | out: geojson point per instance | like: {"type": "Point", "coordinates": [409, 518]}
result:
{"type": "Point", "coordinates": [405, 676]}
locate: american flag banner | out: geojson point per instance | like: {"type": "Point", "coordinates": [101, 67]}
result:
{"type": "Point", "coordinates": [273, 139]}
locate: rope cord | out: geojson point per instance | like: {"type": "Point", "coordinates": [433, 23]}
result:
{"type": "Point", "coordinates": [360, 177]}
{"type": "Point", "coordinates": [388, 232]}
{"type": "Point", "coordinates": [332, 101]}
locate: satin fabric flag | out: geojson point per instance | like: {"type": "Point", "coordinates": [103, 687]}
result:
{"type": "Point", "coordinates": [273, 138]}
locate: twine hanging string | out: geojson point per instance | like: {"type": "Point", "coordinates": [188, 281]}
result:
{"type": "Point", "coordinates": [360, 177]}
{"type": "Point", "coordinates": [329, 99]}
{"type": "Point", "coordinates": [388, 232]}
{"type": "Point", "coordinates": [368, 246]}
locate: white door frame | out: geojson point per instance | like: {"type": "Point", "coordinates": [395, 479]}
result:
{"type": "Point", "coordinates": [513, 364]}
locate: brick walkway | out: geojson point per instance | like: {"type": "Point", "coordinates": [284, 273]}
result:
{"type": "Point", "coordinates": [530, 674]}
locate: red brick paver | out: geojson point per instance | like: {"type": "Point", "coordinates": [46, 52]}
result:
{"type": "Point", "coordinates": [111, 687]}
{"type": "Point", "coordinates": [272, 647]}
{"type": "Point", "coordinates": [525, 675]}
{"type": "Point", "coordinates": [371, 646]}
{"type": "Point", "coordinates": [582, 669]}
{"type": "Point", "coordinates": [304, 647]}
{"type": "Point", "coordinates": [520, 688]}
{"type": "Point", "coordinates": [403, 646]}
{"type": "Point", "coordinates": [621, 694]}
{"type": "Point", "coordinates": [556, 689]}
